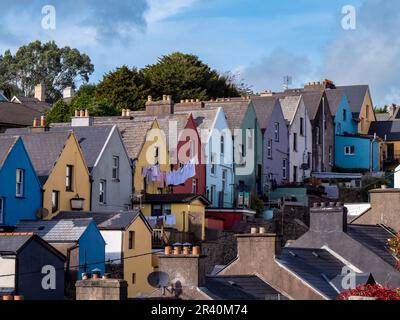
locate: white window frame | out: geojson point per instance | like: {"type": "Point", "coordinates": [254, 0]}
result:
{"type": "Point", "coordinates": [222, 145]}
{"type": "Point", "coordinates": [19, 183]}
{"type": "Point", "coordinates": [213, 165]}
{"type": "Point", "coordinates": [115, 168]}
{"type": "Point", "coordinates": [102, 192]}
{"type": "Point", "coordinates": [317, 135]}
{"type": "Point", "coordinates": [53, 208]}
{"type": "Point", "coordinates": [276, 131]}
{"type": "Point", "coordinates": [69, 176]}
{"type": "Point", "coordinates": [269, 149]}
{"type": "Point", "coordinates": [284, 169]}
{"type": "Point", "coordinates": [191, 149]}
{"type": "Point", "coordinates": [348, 152]}
{"type": "Point", "coordinates": [224, 179]}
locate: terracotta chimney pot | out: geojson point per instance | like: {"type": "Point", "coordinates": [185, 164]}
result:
{"type": "Point", "coordinates": [42, 121]}
{"type": "Point", "coordinates": [167, 250]}
{"type": "Point", "coordinates": [76, 113]}
{"type": "Point", "coordinates": [8, 298]}
{"type": "Point", "coordinates": [196, 251]}
{"type": "Point", "coordinates": [82, 113]}
{"type": "Point", "coordinates": [35, 123]}
{"type": "Point", "coordinates": [149, 98]}
{"type": "Point", "coordinates": [186, 251]}
{"type": "Point", "coordinates": [19, 298]}
{"type": "Point", "coordinates": [86, 113]}
{"type": "Point", "coordinates": [177, 251]}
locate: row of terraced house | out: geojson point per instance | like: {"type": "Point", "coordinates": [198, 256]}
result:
{"type": "Point", "coordinates": [98, 192]}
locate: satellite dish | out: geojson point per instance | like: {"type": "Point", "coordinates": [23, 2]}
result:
{"type": "Point", "coordinates": [42, 213]}
{"type": "Point", "coordinates": [158, 279]}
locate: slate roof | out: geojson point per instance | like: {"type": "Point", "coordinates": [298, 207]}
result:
{"type": "Point", "coordinates": [355, 95]}
{"type": "Point", "coordinates": [240, 288]}
{"type": "Point", "coordinates": [315, 266]}
{"type": "Point", "coordinates": [17, 114]}
{"type": "Point", "coordinates": [289, 105]}
{"type": "Point", "coordinates": [374, 238]}
{"type": "Point", "coordinates": [383, 116]}
{"type": "Point", "coordinates": [389, 128]}
{"type": "Point", "coordinates": [264, 107]}
{"type": "Point", "coordinates": [133, 131]}
{"type": "Point", "coordinates": [13, 243]}
{"type": "Point", "coordinates": [34, 103]}
{"type": "Point", "coordinates": [203, 118]}
{"type": "Point", "coordinates": [104, 220]}
{"type": "Point", "coordinates": [235, 110]}
{"type": "Point", "coordinates": [335, 97]}
{"type": "Point", "coordinates": [164, 123]}
{"type": "Point", "coordinates": [6, 145]}
{"type": "Point", "coordinates": [44, 149]}
{"type": "Point", "coordinates": [174, 198]}
{"type": "Point", "coordinates": [67, 230]}
{"type": "Point", "coordinates": [91, 140]}
{"type": "Point", "coordinates": [312, 101]}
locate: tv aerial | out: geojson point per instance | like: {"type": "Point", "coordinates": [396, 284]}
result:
{"type": "Point", "coordinates": [159, 280]}
{"type": "Point", "coordinates": [287, 81]}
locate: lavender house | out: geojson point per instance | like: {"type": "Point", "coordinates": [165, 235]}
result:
{"type": "Point", "coordinates": [275, 140]}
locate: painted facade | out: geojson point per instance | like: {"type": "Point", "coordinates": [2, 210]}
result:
{"type": "Point", "coordinates": [189, 215]}
{"type": "Point", "coordinates": [353, 151]}
{"type": "Point", "coordinates": [248, 177]}
{"type": "Point", "coordinates": [112, 169]}
{"type": "Point", "coordinates": [18, 202]}
{"type": "Point", "coordinates": [357, 153]}
{"type": "Point", "coordinates": [136, 270]}
{"type": "Point", "coordinates": [219, 168]}
{"type": "Point", "coordinates": [276, 148]}
{"type": "Point", "coordinates": [147, 157]}
{"type": "Point", "coordinates": [71, 155]}
{"type": "Point", "coordinates": [300, 138]}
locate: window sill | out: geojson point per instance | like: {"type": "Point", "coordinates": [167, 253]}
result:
{"type": "Point", "coordinates": [115, 180]}
{"type": "Point", "coordinates": [68, 190]}
{"type": "Point", "coordinates": [20, 197]}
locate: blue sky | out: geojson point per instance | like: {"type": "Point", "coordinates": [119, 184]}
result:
{"type": "Point", "coordinates": [260, 41]}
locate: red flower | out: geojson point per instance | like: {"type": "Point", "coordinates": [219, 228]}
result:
{"type": "Point", "coordinates": [375, 291]}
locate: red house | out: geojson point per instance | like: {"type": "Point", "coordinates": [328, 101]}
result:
{"type": "Point", "coordinates": [184, 144]}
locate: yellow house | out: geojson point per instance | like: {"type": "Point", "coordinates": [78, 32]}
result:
{"type": "Point", "coordinates": [61, 168]}
{"type": "Point", "coordinates": [182, 214]}
{"type": "Point", "coordinates": [152, 151]}
{"type": "Point", "coordinates": [128, 238]}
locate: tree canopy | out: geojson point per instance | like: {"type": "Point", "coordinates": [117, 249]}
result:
{"type": "Point", "coordinates": [45, 63]}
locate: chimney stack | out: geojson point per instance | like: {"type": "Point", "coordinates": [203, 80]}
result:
{"type": "Point", "coordinates": [39, 125]}
{"type": "Point", "coordinates": [82, 118]}
{"type": "Point", "coordinates": [327, 218]}
{"type": "Point", "coordinates": [68, 93]}
{"type": "Point", "coordinates": [186, 269]}
{"type": "Point", "coordinates": [160, 108]}
{"type": "Point", "coordinates": [40, 92]}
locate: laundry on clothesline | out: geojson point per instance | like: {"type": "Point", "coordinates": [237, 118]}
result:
{"type": "Point", "coordinates": [180, 176]}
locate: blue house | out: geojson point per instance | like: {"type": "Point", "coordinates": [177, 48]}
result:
{"type": "Point", "coordinates": [20, 189]}
{"type": "Point", "coordinates": [78, 239]}
{"type": "Point", "coordinates": [353, 151]}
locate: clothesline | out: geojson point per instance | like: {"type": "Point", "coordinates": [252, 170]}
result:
{"type": "Point", "coordinates": [171, 178]}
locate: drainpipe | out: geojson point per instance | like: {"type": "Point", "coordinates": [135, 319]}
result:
{"type": "Point", "coordinates": [323, 134]}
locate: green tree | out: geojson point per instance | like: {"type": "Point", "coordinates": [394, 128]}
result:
{"type": "Point", "coordinates": [44, 63]}
{"type": "Point", "coordinates": [185, 76]}
{"type": "Point", "coordinates": [123, 88]}
{"type": "Point", "coordinates": [60, 112]}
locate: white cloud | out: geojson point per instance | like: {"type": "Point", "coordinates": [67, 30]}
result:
{"type": "Point", "coordinates": [268, 73]}
{"type": "Point", "coordinates": [162, 9]}
{"type": "Point", "coordinates": [370, 54]}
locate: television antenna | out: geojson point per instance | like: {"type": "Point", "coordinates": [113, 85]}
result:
{"type": "Point", "coordinates": [287, 81]}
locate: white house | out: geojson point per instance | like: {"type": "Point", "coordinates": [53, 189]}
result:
{"type": "Point", "coordinates": [218, 152]}
{"type": "Point", "coordinates": [300, 137]}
